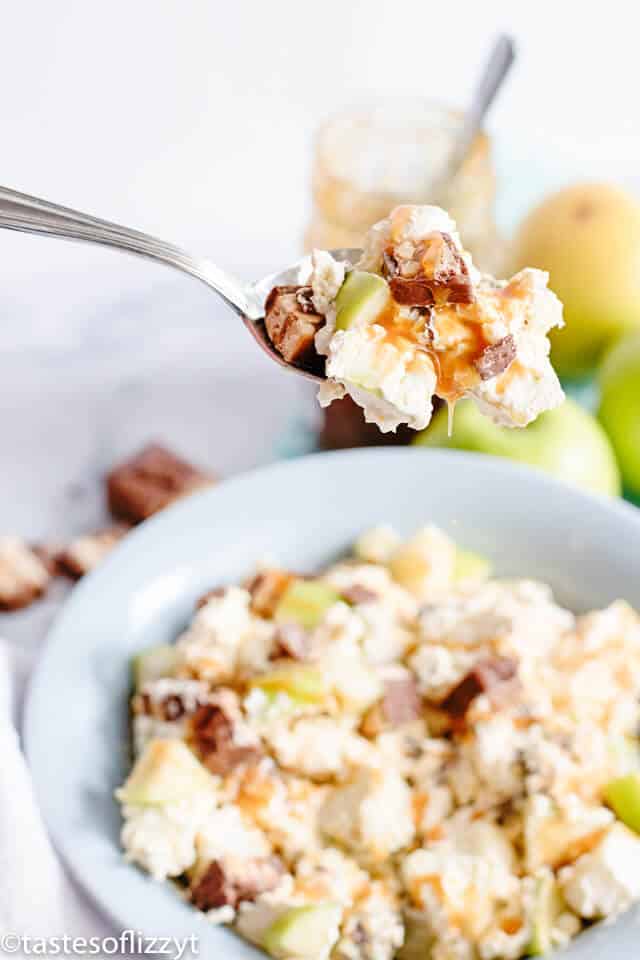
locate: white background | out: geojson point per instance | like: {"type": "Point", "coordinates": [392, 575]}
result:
{"type": "Point", "coordinates": [193, 118]}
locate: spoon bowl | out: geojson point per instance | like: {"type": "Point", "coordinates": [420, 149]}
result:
{"type": "Point", "coordinates": [26, 214]}
{"type": "Point", "coordinates": [257, 295]}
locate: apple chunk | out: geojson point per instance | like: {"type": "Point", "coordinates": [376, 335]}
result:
{"type": "Point", "coordinates": [305, 684]}
{"type": "Point", "coordinates": [470, 566]}
{"type": "Point", "coordinates": [154, 664]}
{"type": "Point", "coordinates": [166, 773]}
{"type": "Point", "coordinates": [547, 907]}
{"type": "Point", "coordinates": [304, 933]}
{"type": "Point", "coordinates": [305, 602]}
{"type": "Point", "coordinates": [362, 297]}
{"type": "Point", "coordinates": [623, 796]}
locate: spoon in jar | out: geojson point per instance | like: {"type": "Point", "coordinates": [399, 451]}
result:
{"type": "Point", "coordinates": [496, 68]}
{"type": "Point", "coordinates": [26, 214]}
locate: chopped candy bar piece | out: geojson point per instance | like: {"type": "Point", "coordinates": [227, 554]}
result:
{"type": "Point", "coordinates": [292, 322]}
{"type": "Point", "coordinates": [221, 737]}
{"type": "Point", "coordinates": [266, 589]}
{"type": "Point", "coordinates": [228, 882]}
{"type": "Point", "coordinates": [150, 481]}
{"type": "Point", "coordinates": [291, 640]}
{"type": "Point", "coordinates": [486, 677]}
{"type": "Point", "coordinates": [495, 358]}
{"type": "Point", "coordinates": [84, 554]}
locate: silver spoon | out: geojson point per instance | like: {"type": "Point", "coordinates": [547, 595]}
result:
{"type": "Point", "coordinates": [26, 214]}
{"type": "Point", "coordinates": [496, 68]}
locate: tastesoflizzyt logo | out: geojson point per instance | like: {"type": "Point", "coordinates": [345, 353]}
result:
{"type": "Point", "coordinates": [128, 943]}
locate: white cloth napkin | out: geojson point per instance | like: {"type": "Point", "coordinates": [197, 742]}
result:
{"type": "Point", "coordinates": [37, 898]}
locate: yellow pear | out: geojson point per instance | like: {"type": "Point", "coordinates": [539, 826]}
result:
{"type": "Point", "coordinates": [588, 238]}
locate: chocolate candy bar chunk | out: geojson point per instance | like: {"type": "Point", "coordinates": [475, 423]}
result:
{"type": "Point", "coordinates": [23, 575]}
{"type": "Point", "coordinates": [433, 273]}
{"type": "Point", "coordinates": [266, 589]}
{"type": "Point", "coordinates": [229, 881]}
{"type": "Point", "coordinates": [488, 676]}
{"type": "Point", "coordinates": [495, 359]}
{"type": "Point", "coordinates": [84, 554]}
{"type": "Point", "coordinates": [291, 321]}
{"type": "Point", "coordinates": [291, 641]}
{"type": "Point", "coordinates": [220, 736]}
{"type": "Point", "coordinates": [150, 481]}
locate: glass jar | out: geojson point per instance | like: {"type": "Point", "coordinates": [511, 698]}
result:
{"type": "Point", "coordinates": [369, 159]}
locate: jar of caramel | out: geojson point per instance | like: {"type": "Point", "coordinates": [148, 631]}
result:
{"type": "Point", "coordinates": [369, 159]}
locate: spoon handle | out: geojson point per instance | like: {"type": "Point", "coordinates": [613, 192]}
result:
{"type": "Point", "coordinates": [495, 70]}
{"type": "Point", "coordinates": [26, 214]}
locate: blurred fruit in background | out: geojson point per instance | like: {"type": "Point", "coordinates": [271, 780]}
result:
{"type": "Point", "coordinates": [619, 410]}
{"type": "Point", "coordinates": [588, 237]}
{"type": "Point", "coordinates": [567, 442]}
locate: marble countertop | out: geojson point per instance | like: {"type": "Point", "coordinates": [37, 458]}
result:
{"type": "Point", "coordinates": [167, 363]}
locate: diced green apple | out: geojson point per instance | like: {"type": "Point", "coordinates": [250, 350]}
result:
{"type": "Point", "coordinates": [470, 566]}
{"type": "Point", "coordinates": [167, 772]}
{"type": "Point", "coordinates": [623, 796]}
{"type": "Point", "coordinates": [153, 664]}
{"type": "Point", "coordinates": [362, 297]}
{"type": "Point", "coordinates": [305, 602]}
{"type": "Point", "coordinates": [304, 933]}
{"type": "Point", "coordinates": [547, 907]}
{"type": "Point", "coordinates": [300, 682]}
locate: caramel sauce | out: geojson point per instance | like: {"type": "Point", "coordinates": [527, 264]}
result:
{"type": "Point", "coordinates": [458, 328]}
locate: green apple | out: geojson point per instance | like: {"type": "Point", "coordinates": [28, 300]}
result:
{"type": "Point", "coordinates": [153, 664]}
{"type": "Point", "coordinates": [166, 773]}
{"type": "Point", "coordinates": [362, 297]}
{"type": "Point", "coordinates": [547, 907]}
{"type": "Point", "coordinates": [588, 237]}
{"type": "Point", "coordinates": [619, 411]}
{"type": "Point", "coordinates": [470, 566]}
{"type": "Point", "coordinates": [301, 682]}
{"type": "Point", "coordinates": [566, 442]}
{"type": "Point", "coordinates": [305, 602]}
{"type": "Point", "coordinates": [623, 796]}
{"type": "Point", "coordinates": [304, 933]}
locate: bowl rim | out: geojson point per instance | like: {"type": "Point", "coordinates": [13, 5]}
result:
{"type": "Point", "coordinates": [453, 459]}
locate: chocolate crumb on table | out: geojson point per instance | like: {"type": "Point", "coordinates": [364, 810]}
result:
{"type": "Point", "coordinates": [23, 575]}
{"type": "Point", "coordinates": [84, 553]}
{"type": "Point", "coordinates": [150, 481]}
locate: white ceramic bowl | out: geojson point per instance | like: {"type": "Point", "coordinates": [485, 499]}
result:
{"type": "Point", "coordinates": [304, 513]}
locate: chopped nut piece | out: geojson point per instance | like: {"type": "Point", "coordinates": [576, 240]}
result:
{"type": "Point", "coordinates": [228, 882]}
{"type": "Point", "coordinates": [292, 322]}
{"type": "Point", "coordinates": [220, 735]}
{"type": "Point", "coordinates": [84, 554]}
{"type": "Point", "coordinates": [486, 677]}
{"type": "Point", "coordinates": [291, 640]}
{"type": "Point", "coordinates": [150, 481]}
{"type": "Point", "coordinates": [23, 575]}
{"type": "Point", "coordinates": [266, 590]}
{"type": "Point", "coordinates": [495, 358]}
